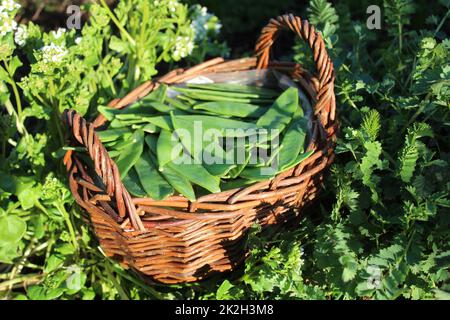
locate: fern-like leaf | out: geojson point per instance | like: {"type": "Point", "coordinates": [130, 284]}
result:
{"type": "Point", "coordinates": [321, 11]}
{"type": "Point", "coordinates": [410, 152]}
{"type": "Point", "coordinates": [322, 14]}
{"type": "Point", "coordinates": [371, 124]}
{"type": "Point", "coordinates": [398, 12]}
{"type": "Point", "coordinates": [370, 161]}
{"type": "Point", "coordinates": [408, 159]}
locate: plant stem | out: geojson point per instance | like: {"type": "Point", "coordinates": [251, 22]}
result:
{"type": "Point", "coordinates": [19, 265]}
{"type": "Point", "coordinates": [441, 23]}
{"type": "Point", "coordinates": [12, 112]}
{"type": "Point", "coordinates": [117, 23]}
{"type": "Point", "coordinates": [55, 113]}
{"type": "Point", "coordinates": [17, 97]}
{"type": "Point", "coordinates": [116, 284]}
{"type": "Point", "coordinates": [23, 281]}
{"type": "Point", "coordinates": [150, 290]}
{"type": "Point", "coordinates": [66, 216]}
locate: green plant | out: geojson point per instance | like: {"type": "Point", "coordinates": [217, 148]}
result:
{"type": "Point", "coordinates": [43, 239]}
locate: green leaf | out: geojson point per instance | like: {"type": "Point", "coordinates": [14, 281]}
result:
{"type": "Point", "coordinates": [196, 173]}
{"type": "Point", "coordinates": [133, 184]}
{"type": "Point", "coordinates": [350, 267]}
{"type": "Point", "coordinates": [27, 192]}
{"type": "Point", "coordinates": [168, 148]}
{"type": "Point", "coordinates": [131, 154]}
{"type": "Point", "coordinates": [233, 109]}
{"type": "Point", "coordinates": [222, 292]}
{"type": "Point", "coordinates": [53, 262]}
{"type": "Point", "coordinates": [14, 64]}
{"type": "Point", "coordinates": [42, 293]}
{"type": "Point", "coordinates": [119, 45]}
{"type": "Point", "coordinates": [12, 229]}
{"type": "Point", "coordinates": [151, 180]}
{"type": "Point", "coordinates": [408, 159]}
{"type": "Point", "coordinates": [280, 113]}
{"type": "Point", "coordinates": [178, 182]}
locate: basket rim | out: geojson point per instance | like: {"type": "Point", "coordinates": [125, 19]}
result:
{"type": "Point", "coordinates": [227, 199]}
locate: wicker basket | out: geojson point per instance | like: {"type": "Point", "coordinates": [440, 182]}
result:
{"type": "Point", "coordinates": [176, 240]}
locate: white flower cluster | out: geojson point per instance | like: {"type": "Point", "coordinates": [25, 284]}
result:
{"type": "Point", "coordinates": [7, 22]}
{"type": "Point", "coordinates": [204, 22]}
{"type": "Point", "coordinates": [183, 47]}
{"type": "Point", "coordinates": [58, 33]}
{"type": "Point", "coordinates": [53, 53]}
{"type": "Point", "coordinates": [21, 35]}
{"type": "Point", "coordinates": [9, 5]}
{"type": "Point", "coordinates": [171, 4]}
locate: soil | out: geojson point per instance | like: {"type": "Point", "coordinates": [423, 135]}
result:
{"type": "Point", "coordinates": [49, 14]}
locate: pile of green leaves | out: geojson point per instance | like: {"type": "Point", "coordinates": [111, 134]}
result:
{"type": "Point", "coordinates": [160, 144]}
{"type": "Point", "coordinates": [379, 230]}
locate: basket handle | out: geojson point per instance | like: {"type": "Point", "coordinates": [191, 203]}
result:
{"type": "Point", "coordinates": [84, 133]}
{"type": "Point", "coordinates": [326, 104]}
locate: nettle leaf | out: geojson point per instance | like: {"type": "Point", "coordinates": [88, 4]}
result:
{"type": "Point", "coordinates": [350, 267]}
{"type": "Point", "coordinates": [12, 229]}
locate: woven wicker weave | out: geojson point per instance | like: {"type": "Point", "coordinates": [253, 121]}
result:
{"type": "Point", "coordinates": [176, 240]}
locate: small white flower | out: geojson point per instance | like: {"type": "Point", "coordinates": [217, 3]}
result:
{"type": "Point", "coordinates": [183, 47]}
{"type": "Point", "coordinates": [9, 5]}
{"type": "Point", "coordinates": [78, 40]}
{"type": "Point", "coordinates": [156, 3]}
{"type": "Point", "coordinates": [202, 22]}
{"type": "Point", "coordinates": [58, 33]}
{"type": "Point", "coordinates": [7, 24]}
{"type": "Point", "coordinates": [21, 35]}
{"type": "Point", "coordinates": [53, 53]}
{"type": "Point", "coordinates": [173, 4]}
